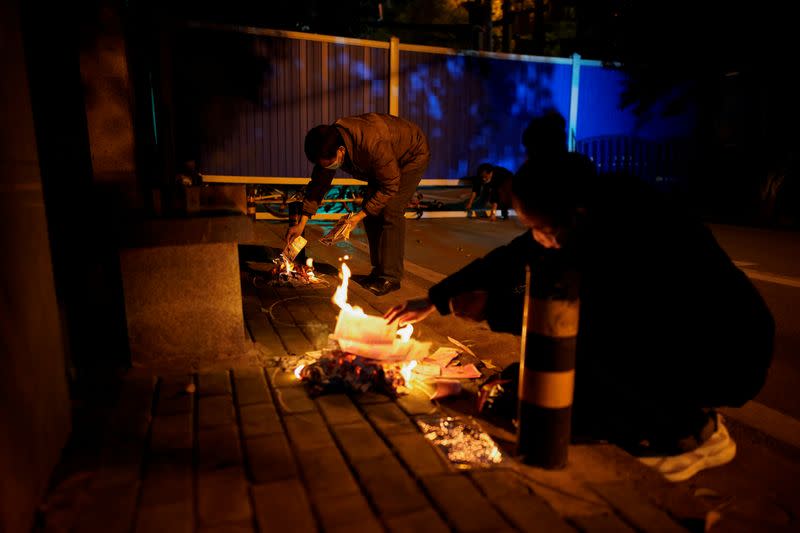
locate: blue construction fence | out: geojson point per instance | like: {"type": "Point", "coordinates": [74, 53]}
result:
{"type": "Point", "coordinates": [244, 99]}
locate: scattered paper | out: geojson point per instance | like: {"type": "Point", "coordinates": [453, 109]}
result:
{"type": "Point", "coordinates": [442, 356]}
{"type": "Point", "coordinates": [427, 370]}
{"type": "Point", "coordinates": [444, 388]}
{"type": "Point", "coordinates": [461, 346]}
{"type": "Point", "coordinates": [488, 363]}
{"type": "Point", "coordinates": [469, 371]}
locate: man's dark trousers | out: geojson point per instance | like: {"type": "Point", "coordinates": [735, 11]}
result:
{"type": "Point", "coordinates": [386, 231]}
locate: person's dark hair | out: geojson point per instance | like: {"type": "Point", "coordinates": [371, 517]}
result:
{"type": "Point", "coordinates": [546, 134]}
{"type": "Point", "coordinates": [485, 167]}
{"type": "Point", "coordinates": [322, 142]}
{"type": "Point", "coordinates": [554, 187]}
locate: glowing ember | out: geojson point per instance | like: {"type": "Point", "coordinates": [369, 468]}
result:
{"type": "Point", "coordinates": [298, 370]}
{"type": "Point", "coordinates": [337, 371]}
{"type": "Point", "coordinates": [284, 271]}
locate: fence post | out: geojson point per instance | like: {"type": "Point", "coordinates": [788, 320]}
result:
{"type": "Point", "coordinates": [394, 76]}
{"type": "Point", "coordinates": [573, 102]}
{"type": "Point", "coordinates": [547, 365]}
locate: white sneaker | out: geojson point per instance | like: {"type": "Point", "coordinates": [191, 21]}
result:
{"type": "Point", "coordinates": [718, 450]}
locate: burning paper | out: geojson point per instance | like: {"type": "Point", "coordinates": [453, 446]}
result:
{"type": "Point", "coordinates": [427, 370]}
{"type": "Point", "coordinates": [469, 371]}
{"type": "Point", "coordinates": [371, 336]}
{"type": "Point", "coordinates": [287, 272]}
{"type": "Point", "coordinates": [442, 356]}
{"type": "Point", "coordinates": [462, 441]}
{"type": "Point", "coordinates": [293, 248]}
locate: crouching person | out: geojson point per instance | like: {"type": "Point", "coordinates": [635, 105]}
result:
{"type": "Point", "coordinates": [669, 328]}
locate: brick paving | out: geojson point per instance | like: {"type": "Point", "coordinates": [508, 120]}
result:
{"type": "Point", "coordinates": [248, 450]}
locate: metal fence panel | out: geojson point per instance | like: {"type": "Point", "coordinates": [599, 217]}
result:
{"type": "Point", "coordinates": [474, 109]}
{"type": "Point", "coordinates": [245, 102]}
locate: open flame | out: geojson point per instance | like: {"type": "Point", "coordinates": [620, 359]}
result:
{"type": "Point", "coordinates": [406, 370]}
{"type": "Point", "coordinates": [340, 296]}
{"type": "Point", "coordinates": [405, 332]}
{"type": "Point", "coordinates": [288, 266]}
{"type": "Point", "coordinates": [368, 338]}
{"type": "Point", "coordinates": [371, 336]}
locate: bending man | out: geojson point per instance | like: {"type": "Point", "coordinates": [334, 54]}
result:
{"type": "Point", "coordinates": [390, 154]}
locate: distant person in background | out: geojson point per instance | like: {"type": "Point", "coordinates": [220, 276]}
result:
{"type": "Point", "coordinates": [188, 175]}
{"type": "Point", "coordinates": [490, 188]}
{"type": "Point", "coordinates": [390, 154]}
{"type": "Point", "coordinates": [546, 135]}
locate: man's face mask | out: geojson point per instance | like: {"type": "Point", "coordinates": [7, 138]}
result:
{"type": "Point", "coordinates": [337, 161]}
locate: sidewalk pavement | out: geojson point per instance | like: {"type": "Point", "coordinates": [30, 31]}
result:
{"type": "Point", "coordinates": [246, 449]}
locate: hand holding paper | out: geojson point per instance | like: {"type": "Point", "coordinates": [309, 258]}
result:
{"type": "Point", "coordinates": [341, 231]}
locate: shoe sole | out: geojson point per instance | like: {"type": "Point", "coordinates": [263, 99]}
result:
{"type": "Point", "coordinates": [383, 293]}
{"type": "Point", "coordinates": [715, 455]}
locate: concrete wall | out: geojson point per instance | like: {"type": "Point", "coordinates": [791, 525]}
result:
{"type": "Point", "coordinates": [34, 400]}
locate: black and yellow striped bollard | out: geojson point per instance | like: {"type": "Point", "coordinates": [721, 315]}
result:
{"type": "Point", "coordinates": [547, 365]}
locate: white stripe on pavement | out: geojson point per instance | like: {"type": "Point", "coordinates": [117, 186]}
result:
{"type": "Point", "coordinates": [418, 270]}
{"type": "Point", "coordinates": [772, 278]}
{"type": "Point", "coordinates": [789, 281]}
{"type": "Point", "coordinates": [774, 423]}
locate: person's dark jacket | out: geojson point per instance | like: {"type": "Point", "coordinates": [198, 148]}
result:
{"type": "Point", "coordinates": [666, 317]}
{"type": "Point", "coordinates": [380, 148]}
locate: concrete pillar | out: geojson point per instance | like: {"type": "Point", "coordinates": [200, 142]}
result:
{"type": "Point", "coordinates": [547, 366]}
{"type": "Point", "coordinates": [108, 98]}
{"type": "Point", "coordinates": [34, 400]}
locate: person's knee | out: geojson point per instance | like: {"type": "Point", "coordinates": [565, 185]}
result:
{"type": "Point", "coordinates": [393, 214]}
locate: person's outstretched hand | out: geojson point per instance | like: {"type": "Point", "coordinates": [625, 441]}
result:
{"type": "Point", "coordinates": [292, 232]}
{"type": "Point", "coordinates": [410, 311]}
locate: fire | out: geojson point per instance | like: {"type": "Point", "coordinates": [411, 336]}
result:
{"type": "Point", "coordinates": [405, 332]}
{"type": "Point", "coordinates": [340, 296]}
{"type": "Point", "coordinates": [288, 266]}
{"type": "Point", "coordinates": [406, 369]}
{"type": "Point", "coordinates": [298, 370]}
{"type": "Point", "coordinates": [371, 336]}
{"type": "Point", "coordinates": [310, 269]}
